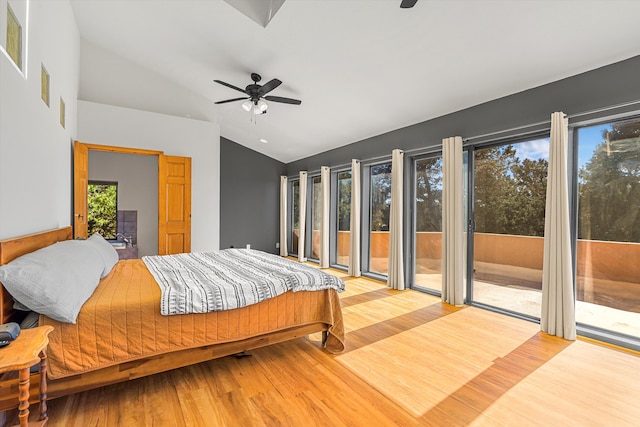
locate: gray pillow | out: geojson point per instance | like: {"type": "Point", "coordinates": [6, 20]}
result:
{"type": "Point", "coordinates": [108, 252]}
{"type": "Point", "coordinates": [56, 280]}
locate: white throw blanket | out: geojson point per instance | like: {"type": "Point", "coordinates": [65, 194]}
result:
{"type": "Point", "coordinates": [230, 278]}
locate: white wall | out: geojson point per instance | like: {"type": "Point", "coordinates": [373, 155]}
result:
{"type": "Point", "coordinates": [200, 140]}
{"type": "Point", "coordinates": [35, 151]}
{"type": "Point", "coordinates": [108, 78]}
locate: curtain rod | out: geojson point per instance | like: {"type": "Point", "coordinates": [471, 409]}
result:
{"type": "Point", "coordinates": [546, 122]}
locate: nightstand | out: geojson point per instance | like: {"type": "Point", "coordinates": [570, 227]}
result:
{"type": "Point", "coordinates": [27, 350]}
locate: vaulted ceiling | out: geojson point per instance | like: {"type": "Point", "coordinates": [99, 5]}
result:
{"type": "Point", "coordinates": [360, 67]}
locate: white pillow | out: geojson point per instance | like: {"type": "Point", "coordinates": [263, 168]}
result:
{"type": "Point", "coordinates": [56, 280]}
{"type": "Point", "coordinates": [108, 252]}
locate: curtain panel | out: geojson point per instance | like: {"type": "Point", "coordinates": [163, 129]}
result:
{"type": "Point", "coordinates": [283, 216]}
{"type": "Point", "coordinates": [395, 273]}
{"type": "Point", "coordinates": [354, 226]}
{"type": "Point", "coordinates": [558, 299]}
{"type": "Point", "coordinates": [325, 182]}
{"type": "Point", "coordinates": [303, 216]}
{"type": "Point", "coordinates": [452, 222]}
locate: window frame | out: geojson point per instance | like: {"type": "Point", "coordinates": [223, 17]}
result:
{"type": "Point", "coordinates": [333, 218]}
{"type": "Point", "coordinates": [365, 223]}
{"type": "Point", "coordinates": [290, 220]}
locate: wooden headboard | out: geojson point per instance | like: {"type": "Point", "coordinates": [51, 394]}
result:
{"type": "Point", "coordinates": [11, 249]}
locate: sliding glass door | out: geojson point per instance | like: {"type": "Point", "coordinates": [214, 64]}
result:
{"type": "Point", "coordinates": [428, 223]}
{"type": "Point", "coordinates": [343, 215]}
{"type": "Point", "coordinates": [316, 217]}
{"type": "Point", "coordinates": [294, 217]}
{"type": "Point", "coordinates": [379, 210]}
{"type": "Point", "coordinates": [509, 197]}
{"type": "Point", "coordinates": [608, 248]}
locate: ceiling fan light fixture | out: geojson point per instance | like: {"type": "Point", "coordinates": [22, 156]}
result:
{"type": "Point", "coordinates": [247, 105]}
{"type": "Point", "coordinates": [260, 107]}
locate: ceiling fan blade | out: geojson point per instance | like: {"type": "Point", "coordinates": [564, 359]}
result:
{"type": "Point", "coordinates": [269, 86]}
{"type": "Point", "coordinates": [229, 85]}
{"type": "Point", "coordinates": [230, 100]}
{"type": "Point", "coordinates": [406, 4]}
{"type": "Point", "coordinates": [283, 100]}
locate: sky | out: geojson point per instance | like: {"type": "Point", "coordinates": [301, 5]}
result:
{"type": "Point", "coordinates": [588, 140]}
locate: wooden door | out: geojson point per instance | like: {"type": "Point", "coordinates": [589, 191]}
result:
{"type": "Point", "coordinates": [174, 205]}
{"type": "Point", "coordinates": [80, 183]}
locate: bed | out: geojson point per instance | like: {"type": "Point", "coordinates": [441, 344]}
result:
{"type": "Point", "coordinates": [120, 335]}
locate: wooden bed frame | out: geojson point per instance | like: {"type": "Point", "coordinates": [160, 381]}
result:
{"type": "Point", "coordinates": [13, 248]}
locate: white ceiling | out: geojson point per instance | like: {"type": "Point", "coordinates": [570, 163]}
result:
{"type": "Point", "coordinates": [360, 67]}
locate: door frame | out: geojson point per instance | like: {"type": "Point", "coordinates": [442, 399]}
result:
{"type": "Point", "coordinates": [81, 155]}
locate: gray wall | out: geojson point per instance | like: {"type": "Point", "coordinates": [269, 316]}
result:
{"type": "Point", "coordinates": [603, 87]}
{"type": "Point", "coordinates": [249, 198]}
{"type": "Point", "coordinates": [137, 178]}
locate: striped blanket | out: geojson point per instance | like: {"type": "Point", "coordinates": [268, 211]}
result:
{"type": "Point", "coordinates": [230, 278]}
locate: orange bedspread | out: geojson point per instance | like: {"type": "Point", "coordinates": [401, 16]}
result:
{"type": "Point", "coordinates": [122, 322]}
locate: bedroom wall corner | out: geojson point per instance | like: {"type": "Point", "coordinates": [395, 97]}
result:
{"type": "Point", "coordinates": [35, 156]}
{"type": "Point", "coordinates": [124, 127]}
{"type": "Point", "coordinates": [249, 198]}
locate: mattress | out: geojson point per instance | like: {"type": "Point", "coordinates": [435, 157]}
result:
{"type": "Point", "coordinates": [121, 322]}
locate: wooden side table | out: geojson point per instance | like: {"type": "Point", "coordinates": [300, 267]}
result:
{"type": "Point", "coordinates": [27, 350]}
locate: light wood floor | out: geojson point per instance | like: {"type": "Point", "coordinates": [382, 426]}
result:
{"type": "Point", "coordinates": [410, 360]}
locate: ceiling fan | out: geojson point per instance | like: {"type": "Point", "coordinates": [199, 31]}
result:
{"type": "Point", "coordinates": [255, 93]}
{"type": "Point", "coordinates": [406, 4]}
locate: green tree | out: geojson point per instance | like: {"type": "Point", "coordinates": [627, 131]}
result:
{"type": "Point", "coordinates": [429, 194]}
{"type": "Point", "coordinates": [344, 201]}
{"type": "Point", "coordinates": [102, 210]}
{"type": "Point", "coordinates": [510, 194]}
{"type": "Point", "coordinates": [380, 197]}
{"type": "Point", "coordinates": [609, 187]}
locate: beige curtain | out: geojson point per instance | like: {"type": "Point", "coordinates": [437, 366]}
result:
{"type": "Point", "coordinates": [395, 274]}
{"type": "Point", "coordinates": [325, 182]}
{"type": "Point", "coordinates": [283, 216]}
{"type": "Point", "coordinates": [354, 227]}
{"type": "Point", "coordinates": [452, 222]}
{"type": "Point", "coordinates": [303, 215]}
{"type": "Point", "coordinates": [558, 300]}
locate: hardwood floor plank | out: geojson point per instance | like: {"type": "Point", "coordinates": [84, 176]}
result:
{"type": "Point", "coordinates": [409, 361]}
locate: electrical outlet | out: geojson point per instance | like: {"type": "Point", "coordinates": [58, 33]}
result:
{"type": "Point", "coordinates": [277, 245]}
{"type": "Point", "coordinates": [248, 246]}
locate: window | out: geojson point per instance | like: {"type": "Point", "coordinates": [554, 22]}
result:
{"type": "Point", "coordinates": [428, 223]}
{"type": "Point", "coordinates": [343, 218]}
{"type": "Point", "coordinates": [62, 113]}
{"type": "Point", "coordinates": [44, 85]}
{"type": "Point", "coordinates": [102, 207]}
{"type": "Point", "coordinates": [608, 246]}
{"type": "Point", "coordinates": [316, 216]}
{"type": "Point", "coordinates": [14, 38]}
{"type": "Point", "coordinates": [379, 209]}
{"type": "Point", "coordinates": [294, 221]}
{"type": "Point", "coordinates": [509, 198]}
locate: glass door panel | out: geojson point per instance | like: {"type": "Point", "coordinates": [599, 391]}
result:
{"type": "Point", "coordinates": [316, 214]}
{"type": "Point", "coordinates": [343, 235]}
{"type": "Point", "coordinates": [509, 207]}
{"type": "Point", "coordinates": [379, 210]}
{"type": "Point", "coordinates": [428, 223]}
{"type": "Point", "coordinates": [608, 248]}
{"type": "Point", "coordinates": [295, 217]}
